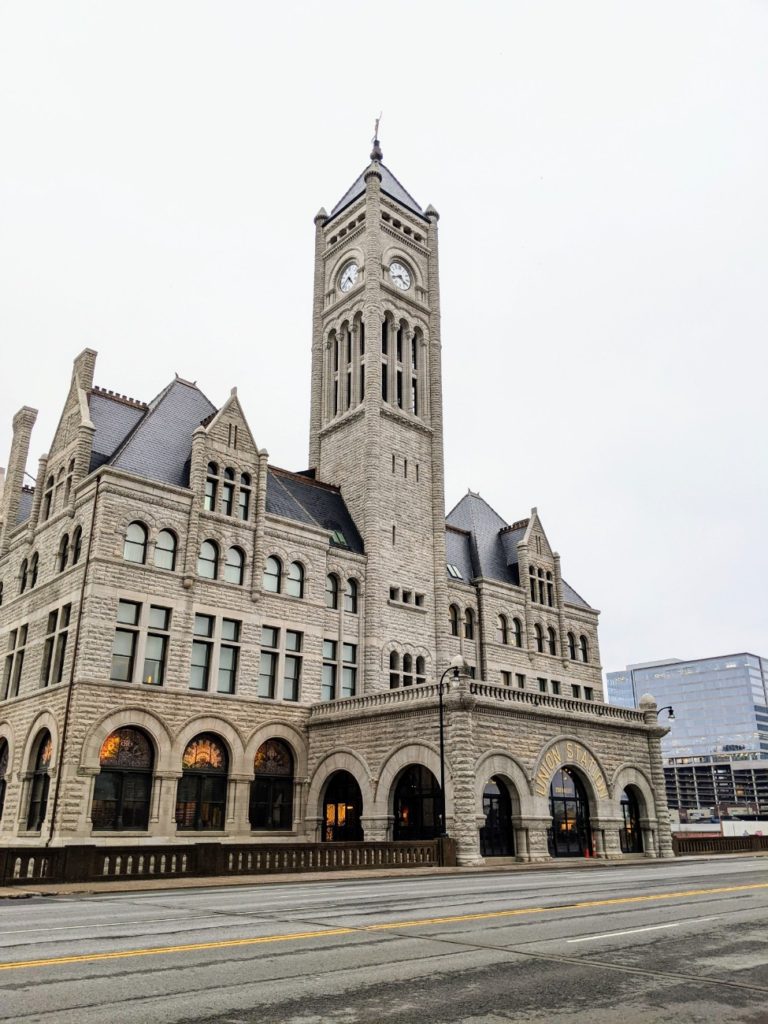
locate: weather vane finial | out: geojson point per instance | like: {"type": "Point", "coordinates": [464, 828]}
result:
{"type": "Point", "coordinates": [376, 153]}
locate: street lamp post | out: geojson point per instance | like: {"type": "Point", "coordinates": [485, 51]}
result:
{"type": "Point", "coordinates": [668, 708]}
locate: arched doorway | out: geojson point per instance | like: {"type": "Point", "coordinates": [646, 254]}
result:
{"type": "Point", "coordinates": [496, 836]}
{"type": "Point", "coordinates": [3, 770]}
{"type": "Point", "coordinates": [272, 787]}
{"type": "Point", "coordinates": [570, 834]}
{"type": "Point", "coordinates": [417, 804]}
{"type": "Point", "coordinates": [201, 799]}
{"type": "Point", "coordinates": [342, 809]}
{"type": "Point", "coordinates": [630, 834]}
{"type": "Point", "coordinates": [123, 786]}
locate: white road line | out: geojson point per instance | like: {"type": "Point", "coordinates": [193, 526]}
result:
{"type": "Point", "coordinates": [632, 931]}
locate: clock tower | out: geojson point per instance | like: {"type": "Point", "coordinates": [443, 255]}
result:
{"type": "Point", "coordinates": [376, 424]}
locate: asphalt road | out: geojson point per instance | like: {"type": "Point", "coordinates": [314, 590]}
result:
{"type": "Point", "coordinates": [675, 942]}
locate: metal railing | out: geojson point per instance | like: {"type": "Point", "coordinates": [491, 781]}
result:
{"type": "Point", "coordinates": [682, 845]}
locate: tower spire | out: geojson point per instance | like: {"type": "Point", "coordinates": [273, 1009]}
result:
{"type": "Point", "coordinates": [376, 153]}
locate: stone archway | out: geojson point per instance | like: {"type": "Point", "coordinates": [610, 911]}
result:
{"type": "Point", "coordinates": [572, 796]}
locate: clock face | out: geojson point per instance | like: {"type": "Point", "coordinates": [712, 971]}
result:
{"type": "Point", "coordinates": [400, 276]}
{"type": "Point", "coordinates": [348, 276]}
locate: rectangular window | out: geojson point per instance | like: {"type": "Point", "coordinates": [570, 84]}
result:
{"type": "Point", "coordinates": [349, 670]}
{"type": "Point", "coordinates": [229, 655]}
{"type": "Point", "coordinates": [506, 678]}
{"type": "Point", "coordinates": [209, 502]}
{"type": "Point", "coordinates": [156, 649]}
{"type": "Point", "coordinates": [14, 661]}
{"type": "Point", "coordinates": [556, 687]}
{"type": "Point", "coordinates": [270, 639]}
{"type": "Point", "coordinates": [400, 389]}
{"type": "Point", "coordinates": [576, 691]}
{"type": "Point", "coordinates": [589, 693]}
{"type": "Point", "coordinates": [520, 680]}
{"type": "Point", "coordinates": [55, 648]}
{"type": "Point", "coordinates": [542, 685]}
{"type": "Point", "coordinates": [126, 641]}
{"type": "Point", "coordinates": [384, 381]}
{"type": "Point", "coordinates": [215, 654]}
{"type": "Point", "coordinates": [328, 688]}
{"type": "Point", "coordinates": [291, 677]}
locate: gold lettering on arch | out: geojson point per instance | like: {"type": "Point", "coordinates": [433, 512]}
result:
{"type": "Point", "coordinates": [576, 754]}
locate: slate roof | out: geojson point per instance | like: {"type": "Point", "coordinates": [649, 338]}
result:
{"type": "Point", "coordinates": [481, 544]}
{"type": "Point", "coordinates": [160, 445]}
{"type": "Point", "coordinates": [308, 501]}
{"type": "Point", "coordinates": [114, 419]}
{"type": "Point", "coordinates": [25, 504]}
{"type": "Point", "coordinates": [389, 184]}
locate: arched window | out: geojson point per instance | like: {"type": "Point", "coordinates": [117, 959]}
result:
{"type": "Point", "coordinates": [421, 676]}
{"type": "Point", "coordinates": [211, 487]}
{"type": "Point", "coordinates": [539, 638]}
{"type": "Point", "coordinates": [272, 574]}
{"type": "Point", "coordinates": [551, 641]}
{"type": "Point", "coordinates": [244, 497]}
{"type": "Point", "coordinates": [469, 624]}
{"type": "Point", "coordinates": [271, 804]}
{"type": "Point", "coordinates": [165, 550]}
{"type": "Point", "coordinates": [331, 591]}
{"type": "Point", "coordinates": [342, 809]}
{"type": "Point", "coordinates": [201, 799]}
{"type": "Point", "coordinates": [3, 772]}
{"type": "Point", "coordinates": [77, 544]}
{"type": "Point", "coordinates": [583, 647]}
{"type": "Point", "coordinates": [453, 615]}
{"type": "Point", "coordinates": [123, 787]}
{"type": "Point", "coordinates": [550, 591]}
{"type": "Point", "coordinates": [350, 597]}
{"type": "Point", "coordinates": [208, 560]}
{"type": "Point", "coordinates": [40, 782]}
{"type": "Point", "coordinates": [394, 670]}
{"type": "Point", "coordinates": [234, 566]}
{"type": "Point", "coordinates": [407, 670]}
{"type": "Point", "coordinates": [294, 584]}
{"type": "Point", "coordinates": [572, 647]}
{"type": "Point", "coordinates": [70, 477]}
{"type": "Point", "coordinates": [47, 498]}
{"type": "Point", "coordinates": [135, 546]}
{"type": "Point", "coordinates": [517, 632]}
{"type": "Point", "coordinates": [62, 555]}
{"type": "Point", "coordinates": [502, 635]}
{"type": "Point", "coordinates": [23, 576]}
{"type": "Point", "coordinates": [33, 568]}
{"type": "Point", "coordinates": [228, 492]}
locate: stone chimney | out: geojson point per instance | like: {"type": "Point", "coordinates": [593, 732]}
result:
{"type": "Point", "coordinates": [23, 422]}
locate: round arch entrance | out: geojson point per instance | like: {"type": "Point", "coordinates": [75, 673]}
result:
{"type": "Point", "coordinates": [630, 834]}
{"type": "Point", "coordinates": [417, 804]}
{"type": "Point", "coordinates": [496, 835]}
{"type": "Point", "coordinates": [570, 834]}
{"type": "Point", "coordinates": [342, 809]}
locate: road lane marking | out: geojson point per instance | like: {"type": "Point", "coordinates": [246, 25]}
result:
{"type": "Point", "coordinates": [646, 928]}
{"type": "Point", "coordinates": [362, 929]}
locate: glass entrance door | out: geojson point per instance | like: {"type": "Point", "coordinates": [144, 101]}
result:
{"type": "Point", "coordinates": [417, 804]}
{"type": "Point", "coordinates": [570, 834]}
{"type": "Point", "coordinates": [630, 836]}
{"type": "Point", "coordinates": [496, 837]}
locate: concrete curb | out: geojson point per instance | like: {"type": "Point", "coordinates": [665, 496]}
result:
{"type": "Point", "coordinates": [154, 885]}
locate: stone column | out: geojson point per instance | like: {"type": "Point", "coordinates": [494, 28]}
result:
{"type": "Point", "coordinates": [525, 583]}
{"type": "Point", "coordinates": [649, 837]}
{"type": "Point", "coordinates": [315, 415]}
{"type": "Point", "coordinates": [538, 846]}
{"type": "Point", "coordinates": [377, 828]}
{"type": "Point", "coordinates": [655, 732]}
{"type": "Point", "coordinates": [608, 830]}
{"type": "Point", "coordinates": [460, 760]}
{"type": "Point", "coordinates": [564, 656]}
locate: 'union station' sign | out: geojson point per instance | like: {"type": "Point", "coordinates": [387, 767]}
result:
{"type": "Point", "coordinates": [569, 753]}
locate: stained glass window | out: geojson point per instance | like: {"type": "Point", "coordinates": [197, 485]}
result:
{"type": "Point", "coordinates": [205, 753]}
{"type": "Point", "coordinates": [273, 758]}
{"type": "Point", "coordinates": [126, 748]}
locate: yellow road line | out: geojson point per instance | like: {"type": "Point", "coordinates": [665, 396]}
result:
{"type": "Point", "coordinates": [387, 926]}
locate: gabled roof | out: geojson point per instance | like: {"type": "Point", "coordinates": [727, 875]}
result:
{"type": "Point", "coordinates": [389, 184]}
{"type": "Point", "coordinates": [160, 444]}
{"type": "Point", "coordinates": [481, 544]}
{"type": "Point", "coordinates": [298, 497]}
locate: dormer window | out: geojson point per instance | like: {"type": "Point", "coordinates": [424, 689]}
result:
{"type": "Point", "coordinates": [453, 572]}
{"type": "Point", "coordinates": [338, 539]}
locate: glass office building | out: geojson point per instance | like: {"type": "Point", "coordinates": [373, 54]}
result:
{"type": "Point", "coordinates": [721, 705]}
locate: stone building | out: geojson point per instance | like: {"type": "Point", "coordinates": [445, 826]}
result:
{"type": "Point", "coordinates": [198, 645]}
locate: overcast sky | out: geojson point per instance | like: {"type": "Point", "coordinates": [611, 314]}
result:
{"type": "Point", "coordinates": [600, 170]}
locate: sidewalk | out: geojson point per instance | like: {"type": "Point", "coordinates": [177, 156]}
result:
{"type": "Point", "coordinates": [127, 885]}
